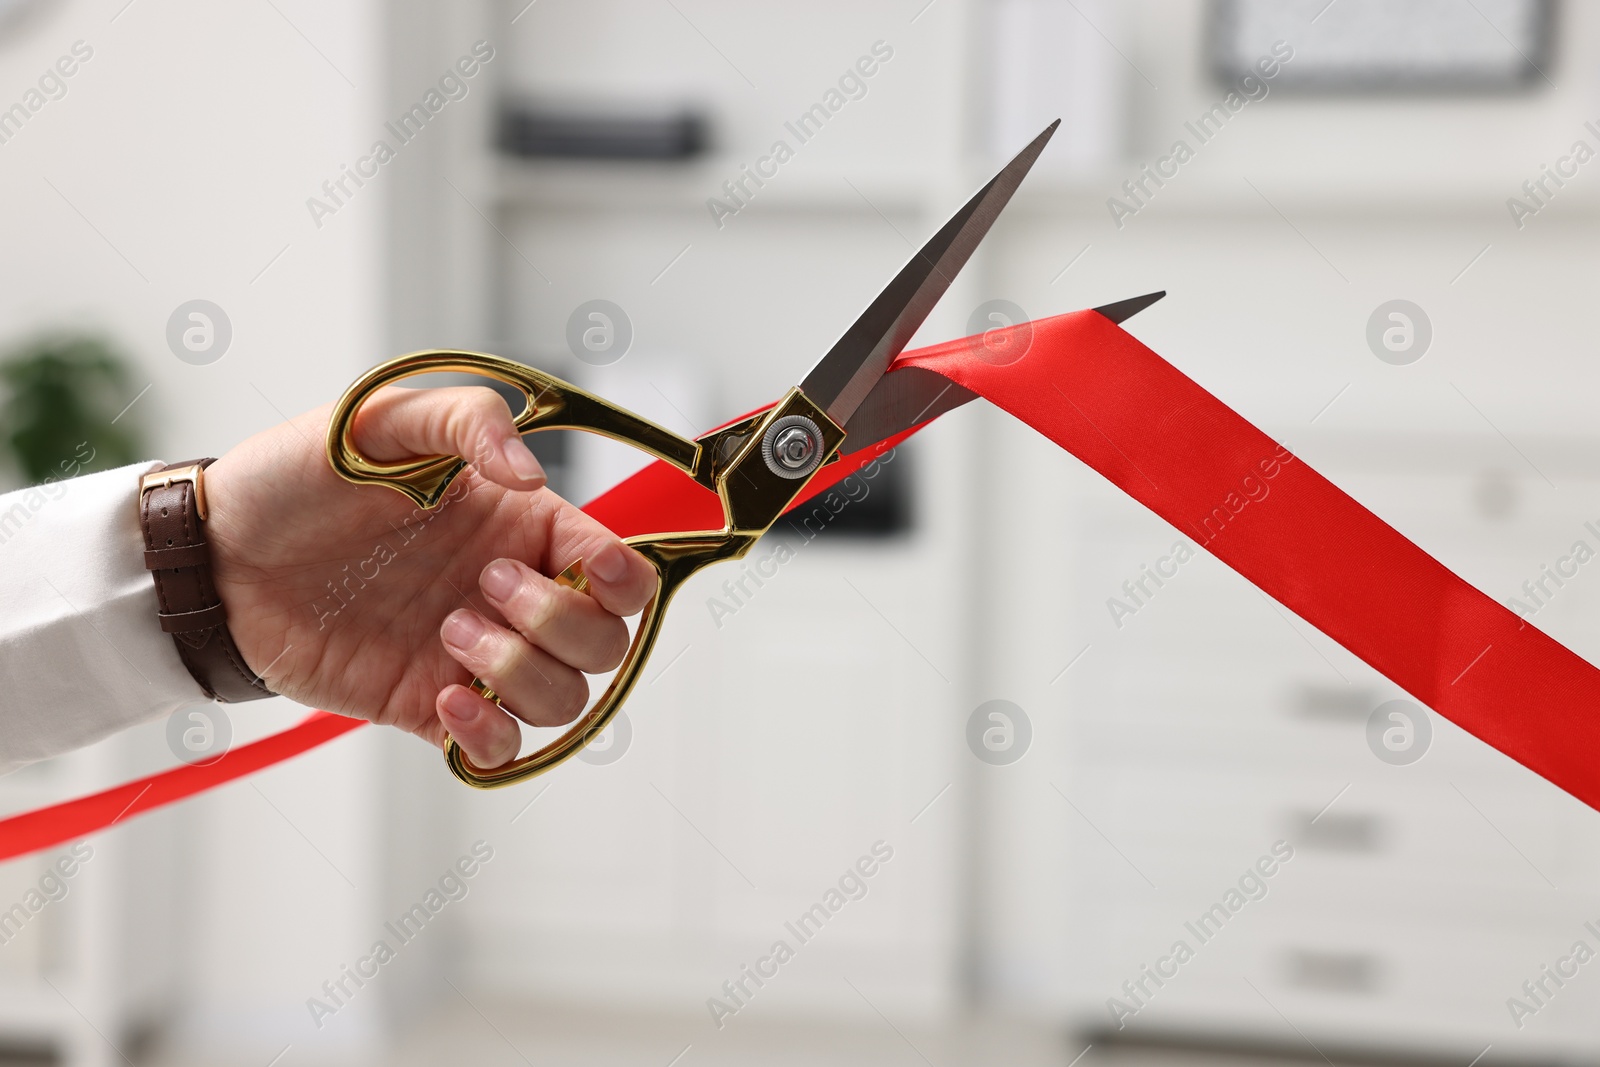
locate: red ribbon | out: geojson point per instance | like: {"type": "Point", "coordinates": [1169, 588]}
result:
{"type": "Point", "coordinates": [1097, 392]}
{"type": "Point", "coordinates": [1162, 439]}
{"type": "Point", "coordinates": [35, 830]}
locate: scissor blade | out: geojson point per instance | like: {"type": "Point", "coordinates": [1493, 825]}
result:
{"type": "Point", "coordinates": [906, 397]}
{"type": "Point", "coordinates": [844, 377]}
{"type": "Point", "coordinates": [1123, 310]}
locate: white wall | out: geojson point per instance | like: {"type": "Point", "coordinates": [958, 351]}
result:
{"type": "Point", "coordinates": [180, 159]}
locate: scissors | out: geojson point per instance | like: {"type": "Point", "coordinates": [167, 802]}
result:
{"type": "Point", "coordinates": [757, 466]}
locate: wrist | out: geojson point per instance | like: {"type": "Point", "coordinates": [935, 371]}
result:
{"type": "Point", "coordinates": [175, 504]}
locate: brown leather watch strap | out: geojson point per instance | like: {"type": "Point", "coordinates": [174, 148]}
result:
{"type": "Point", "coordinates": [172, 512]}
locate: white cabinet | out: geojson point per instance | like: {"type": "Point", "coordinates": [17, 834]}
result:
{"type": "Point", "coordinates": [1212, 724]}
{"type": "Point", "coordinates": [86, 949]}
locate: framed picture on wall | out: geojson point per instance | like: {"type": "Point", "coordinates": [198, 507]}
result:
{"type": "Point", "coordinates": [1388, 46]}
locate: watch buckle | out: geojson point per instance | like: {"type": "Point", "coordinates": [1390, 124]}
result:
{"type": "Point", "coordinates": [190, 474]}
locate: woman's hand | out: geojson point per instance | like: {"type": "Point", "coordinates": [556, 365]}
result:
{"type": "Point", "coordinates": [350, 598]}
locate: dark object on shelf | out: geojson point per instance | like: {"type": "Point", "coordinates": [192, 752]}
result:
{"type": "Point", "coordinates": [1383, 46]}
{"type": "Point", "coordinates": [60, 410]}
{"type": "Point", "coordinates": [532, 132]}
{"type": "Point", "coordinates": [874, 502]}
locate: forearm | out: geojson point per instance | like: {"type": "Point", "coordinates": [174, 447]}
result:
{"type": "Point", "coordinates": [81, 652]}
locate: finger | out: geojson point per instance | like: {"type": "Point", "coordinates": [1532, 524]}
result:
{"type": "Point", "coordinates": [488, 736]}
{"type": "Point", "coordinates": [531, 684]}
{"type": "Point", "coordinates": [570, 626]}
{"type": "Point", "coordinates": [471, 422]}
{"type": "Point", "coordinates": [619, 578]}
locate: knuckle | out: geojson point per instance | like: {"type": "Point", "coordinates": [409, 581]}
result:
{"type": "Point", "coordinates": [502, 658]}
{"type": "Point", "coordinates": [441, 428]}
{"type": "Point", "coordinates": [461, 425]}
{"type": "Point", "coordinates": [486, 413]}
{"type": "Point", "coordinates": [539, 610]}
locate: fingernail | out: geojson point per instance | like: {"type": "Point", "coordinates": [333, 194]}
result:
{"type": "Point", "coordinates": [462, 706]}
{"type": "Point", "coordinates": [500, 580]}
{"type": "Point", "coordinates": [521, 461]}
{"type": "Point", "coordinates": [608, 564]}
{"type": "Point", "coordinates": [462, 630]}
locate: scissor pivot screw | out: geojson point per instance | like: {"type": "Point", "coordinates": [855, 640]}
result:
{"type": "Point", "coordinates": [792, 447]}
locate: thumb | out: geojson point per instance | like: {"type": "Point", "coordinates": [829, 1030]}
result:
{"type": "Point", "coordinates": [470, 421]}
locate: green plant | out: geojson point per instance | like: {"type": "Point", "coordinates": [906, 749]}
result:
{"type": "Point", "coordinates": [60, 394]}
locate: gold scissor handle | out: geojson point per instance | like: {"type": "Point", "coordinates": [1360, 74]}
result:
{"type": "Point", "coordinates": [676, 557]}
{"type": "Point", "coordinates": [549, 404]}
{"type": "Point", "coordinates": [728, 461]}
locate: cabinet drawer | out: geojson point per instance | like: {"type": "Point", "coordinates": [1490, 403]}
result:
{"type": "Point", "coordinates": [1262, 969]}
{"type": "Point", "coordinates": [1190, 820]}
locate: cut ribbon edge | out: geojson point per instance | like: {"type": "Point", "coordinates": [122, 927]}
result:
{"type": "Point", "coordinates": [1092, 388]}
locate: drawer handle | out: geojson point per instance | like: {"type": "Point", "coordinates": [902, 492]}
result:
{"type": "Point", "coordinates": [1353, 832]}
{"type": "Point", "coordinates": [1332, 972]}
{"type": "Point", "coordinates": [1336, 703]}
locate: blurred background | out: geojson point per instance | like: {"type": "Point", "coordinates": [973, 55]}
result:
{"type": "Point", "coordinates": [1379, 241]}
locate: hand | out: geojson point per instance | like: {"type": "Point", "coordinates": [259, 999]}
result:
{"type": "Point", "coordinates": [350, 598]}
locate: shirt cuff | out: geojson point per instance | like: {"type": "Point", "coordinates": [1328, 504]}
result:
{"type": "Point", "coordinates": [82, 654]}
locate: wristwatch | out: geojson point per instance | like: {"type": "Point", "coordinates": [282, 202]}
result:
{"type": "Point", "coordinates": [172, 514]}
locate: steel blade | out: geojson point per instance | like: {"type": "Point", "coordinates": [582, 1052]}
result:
{"type": "Point", "coordinates": [903, 398]}
{"type": "Point", "coordinates": [844, 377]}
{"type": "Point", "coordinates": [1123, 310]}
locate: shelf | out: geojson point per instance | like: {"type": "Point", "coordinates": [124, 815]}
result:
{"type": "Point", "coordinates": [687, 187]}
{"type": "Point", "coordinates": [1204, 188]}
{"type": "Point", "coordinates": [28, 1009]}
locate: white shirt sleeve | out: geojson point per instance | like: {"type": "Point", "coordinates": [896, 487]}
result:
{"type": "Point", "coordinates": [81, 652]}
